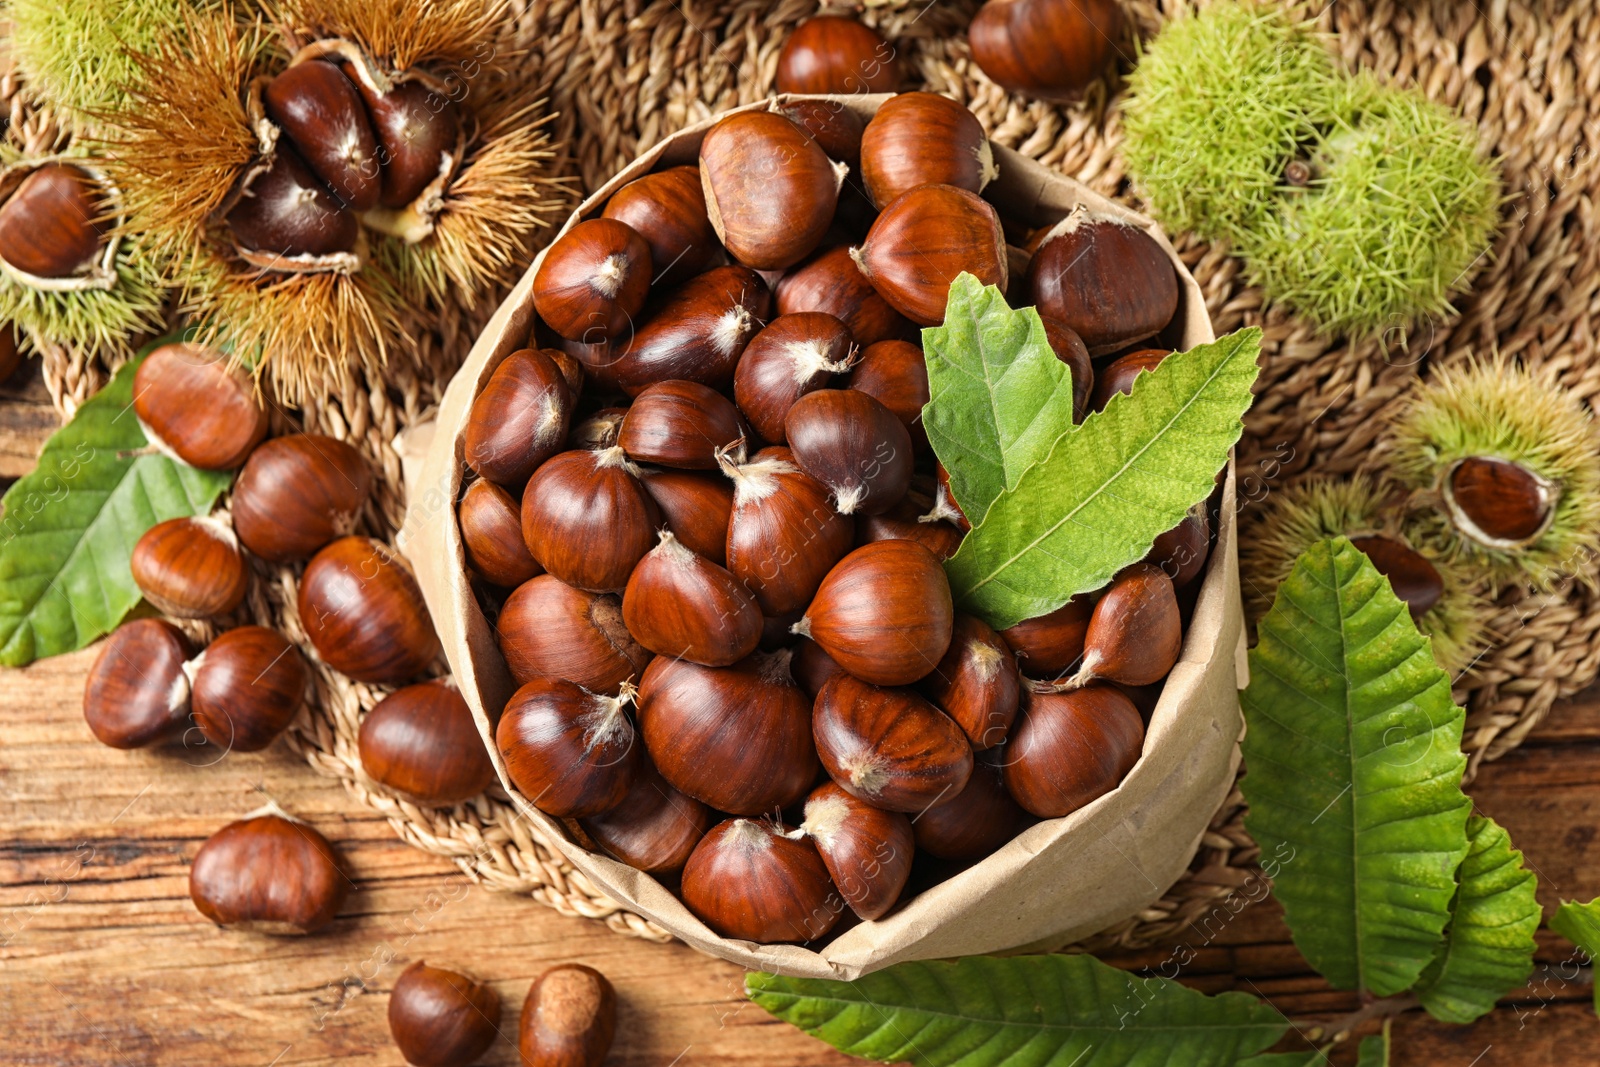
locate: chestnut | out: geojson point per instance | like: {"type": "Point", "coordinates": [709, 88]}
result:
{"type": "Point", "coordinates": [598, 431]}
{"type": "Point", "coordinates": [439, 1018]}
{"type": "Point", "coordinates": [269, 874]}
{"type": "Point", "coordinates": [287, 211]}
{"type": "Point", "coordinates": [1047, 49]}
{"type": "Point", "coordinates": [421, 741]}
{"type": "Point", "coordinates": [247, 687]}
{"type": "Point", "coordinates": [679, 424]}
{"type": "Point", "coordinates": [549, 629]}
{"type": "Point", "coordinates": [593, 280]}
{"type": "Point", "coordinates": [1498, 503]}
{"type": "Point", "coordinates": [695, 507]}
{"type": "Point", "coordinates": [783, 534]}
{"type": "Point", "coordinates": [654, 828]}
{"type": "Point", "coordinates": [896, 375]}
{"type": "Point", "coordinates": [945, 508]}
{"type": "Point", "coordinates": [1118, 375]}
{"type": "Point", "coordinates": [925, 139]}
{"type": "Point", "coordinates": [811, 667]}
{"type": "Point", "coordinates": [668, 209]}
{"type": "Point", "coordinates": [189, 402]}
{"type": "Point", "coordinates": [1135, 633]}
{"type": "Point", "coordinates": [1412, 577]}
{"type": "Point", "coordinates": [696, 333]}
{"type": "Point", "coordinates": [323, 115]}
{"type": "Point", "coordinates": [737, 738]}
{"type": "Point", "coordinates": [298, 493]}
{"type": "Point", "coordinates": [364, 614]}
{"type": "Point", "coordinates": [416, 130]}
{"type": "Point", "coordinates": [770, 189]}
{"type": "Point", "coordinates": [1071, 747]}
{"type": "Point", "coordinates": [884, 613]}
{"type": "Point", "coordinates": [520, 419]}
{"type": "Point", "coordinates": [569, 1018]}
{"type": "Point", "coordinates": [1181, 552]}
{"type": "Point", "coordinates": [1049, 644]}
{"type": "Point", "coordinates": [903, 523]}
{"type": "Point", "coordinates": [890, 747]}
{"type": "Point", "coordinates": [751, 881]}
{"type": "Point", "coordinates": [49, 227]}
{"type": "Point", "coordinates": [836, 54]}
{"type": "Point", "coordinates": [598, 361]}
{"type": "Point", "coordinates": [851, 443]}
{"type": "Point", "coordinates": [923, 239]}
{"type": "Point", "coordinates": [793, 356]}
{"type": "Point", "coordinates": [1070, 349]}
{"type": "Point", "coordinates": [831, 283]}
{"type": "Point", "coordinates": [190, 568]}
{"type": "Point", "coordinates": [682, 605]}
{"type": "Point", "coordinates": [867, 851]}
{"type": "Point", "coordinates": [976, 821]}
{"type": "Point", "coordinates": [976, 683]}
{"type": "Point", "coordinates": [137, 692]}
{"type": "Point", "coordinates": [1106, 278]}
{"type": "Point", "coordinates": [587, 518]}
{"type": "Point", "coordinates": [834, 126]}
{"type": "Point", "coordinates": [491, 535]}
{"type": "Point", "coordinates": [571, 752]}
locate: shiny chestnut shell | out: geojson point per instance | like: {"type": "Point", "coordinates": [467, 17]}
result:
{"type": "Point", "coordinates": [976, 821]}
{"type": "Point", "coordinates": [137, 692]}
{"type": "Point", "coordinates": [889, 746]}
{"type": "Point", "coordinates": [520, 419]}
{"type": "Point", "coordinates": [682, 605]}
{"type": "Point", "coordinates": [593, 281]}
{"type": "Point", "coordinates": [1070, 349]}
{"type": "Point", "coordinates": [696, 507]}
{"type": "Point", "coordinates": [1118, 376]}
{"type": "Point", "coordinates": [1047, 49]}
{"type": "Point", "coordinates": [884, 613]}
{"type": "Point", "coordinates": [835, 127]}
{"type": "Point", "coordinates": [784, 535]}
{"type": "Point", "coordinates": [569, 1018]}
{"type": "Point", "coordinates": [421, 741]}
{"type": "Point", "coordinates": [849, 441]}
{"type": "Point", "coordinates": [1049, 644]}
{"type": "Point", "coordinates": [896, 375]}
{"type": "Point", "coordinates": [749, 880]}
{"type": "Point", "coordinates": [320, 111]}
{"type": "Point", "coordinates": [679, 424]}
{"type": "Point", "coordinates": [587, 518]}
{"type": "Point", "coordinates": [247, 687]}
{"type": "Point", "coordinates": [364, 614]}
{"type": "Point", "coordinates": [867, 851]}
{"type": "Point", "coordinates": [770, 189]}
{"type": "Point", "coordinates": [415, 129]}
{"type": "Point", "coordinates": [829, 282]}
{"type": "Point", "coordinates": [1499, 503]}
{"type": "Point", "coordinates": [924, 139]}
{"type": "Point", "coordinates": [190, 568]}
{"type": "Point", "coordinates": [49, 226]}
{"type": "Point", "coordinates": [905, 522]}
{"type": "Point", "coordinates": [793, 356]}
{"type": "Point", "coordinates": [1135, 633]}
{"type": "Point", "coordinates": [549, 629]}
{"type": "Point", "coordinates": [922, 240]}
{"type": "Point", "coordinates": [1182, 551]}
{"type": "Point", "coordinates": [654, 829]}
{"type": "Point", "coordinates": [439, 1018]}
{"type": "Point", "coordinates": [297, 493]}
{"type": "Point", "coordinates": [836, 54]}
{"type": "Point", "coordinates": [571, 752]}
{"type": "Point", "coordinates": [976, 683]}
{"type": "Point", "coordinates": [1412, 577]}
{"type": "Point", "coordinates": [668, 209]}
{"type": "Point", "coordinates": [287, 211]}
{"type": "Point", "coordinates": [491, 535]}
{"type": "Point", "coordinates": [1107, 279]}
{"type": "Point", "coordinates": [696, 332]}
{"type": "Point", "coordinates": [207, 414]}
{"type": "Point", "coordinates": [268, 874]}
{"type": "Point", "coordinates": [1070, 748]}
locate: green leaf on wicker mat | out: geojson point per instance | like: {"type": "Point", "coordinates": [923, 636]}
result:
{"type": "Point", "coordinates": [1019, 1011]}
{"type": "Point", "coordinates": [1580, 924]}
{"type": "Point", "coordinates": [68, 528]}
{"type": "Point", "coordinates": [1488, 948]}
{"type": "Point", "coordinates": [1109, 487]}
{"type": "Point", "coordinates": [1353, 750]}
{"type": "Point", "coordinates": [999, 396]}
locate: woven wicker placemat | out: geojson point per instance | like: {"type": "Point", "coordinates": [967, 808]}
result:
{"type": "Point", "coordinates": [624, 74]}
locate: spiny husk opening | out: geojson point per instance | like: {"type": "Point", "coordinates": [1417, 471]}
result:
{"type": "Point", "coordinates": [1292, 519]}
{"type": "Point", "coordinates": [96, 323]}
{"type": "Point", "coordinates": [405, 32]}
{"type": "Point", "coordinates": [98, 273]}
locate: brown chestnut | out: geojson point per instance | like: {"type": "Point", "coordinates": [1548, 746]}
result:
{"type": "Point", "coordinates": [976, 683]}
{"type": "Point", "coordinates": [321, 112]}
{"type": "Point", "coordinates": [925, 139]}
{"type": "Point", "coordinates": [695, 507]}
{"type": "Point", "coordinates": [569, 1018]}
{"type": "Point", "coordinates": [598, 431]}
{"type": "Point", "coordinates": [439, 1018]}
{"type": "Point", "coordinates": [421, 741]}
{"type": "Point", "coordinates": [1181, 552]}
{"type": "Point", "coordinates": [679, 424]}
{"type": "Point", "coordinates": [696, 333]}
{"type": "Point", "coordinates": [668, 209]}
{"type": "Point", "coordinates": [599, 361]}
{"type": "Point", "coordinates": [902, 522]}
{"type": "Point", "coordinates": [1051, 643]}
{"type": "Point", "coordinates": [793, 356]}
{"type": "Point", "coordinates": [896, 375]}
{"type": "Point", "coordinates": [1107, 279]}
{"type": "Point", "coordinates": [835, 127]}
{"type": "Point", "coordinates": [867, 851]}
{"type": "Point", "coordinates": [654, 828]}
{"type": "Point", "coordinates": [751, 881]}
{"type": "Point", "coordinates": [770, 189]}
{"type": "Point", "coordinates": [247, 687]}
{"type": "Point", "coordinates": [737, 738]}
{"type": "Point", "coordinates": [976, 821]}
{"type": "Point", "coordinates": [593, 280]}
{"type": "Point", "coordinates": [191, 403]}
{"type": "Point", "coordinates": [1118, 375]}
{"type": "Point", "coordinates": [491, 534]}
{"type": "Point", "coordinates": [1047, 49]}
{"type": "Point", "coordinates": [520, 419]}
{"type": "Point", "coordinates": [783, 535]}
{"type": "Point", "coordinates": [1412, 577]}
{"type": "Point", "coordinates": [1135, 633]}
{"type": "Point", "coordinates": [811, 667]}
{"type": "Point", "coordinates": [890, 747]}
{"type": "Point", "coordinates": [922, 240]}
{"type": "Point", "coordinates": [587, 518]}
{"type": "Point", "coordinates": [1071, 747]}
{"type": "Point", "coordinates": [836, 54]}
{"type": "Point", "coordinates": [268, 874]}
{"type": "Point", "coordinates": [190, 568]}
{"type": "Point", "coordinates": [1070, 349]}
{"type": "Point", "coordinates": [831, 283]}
{"type": "Point", "coordinates": [50, 227]}
{"type": "Point", "coordinates": [287, 211]}
{"type": "Point", "coordinates": [364, 614]}
{"type": "Point", "coordinates": [945, 508]}
{"type": "Point", "coordinates": [298, 493]}
{"type": "Point", "coordinates": [571, 752]}
{"type": "Point", "coordinates": [137, 692]}
{"type": "Point", "coordinates": [851, 443]}
{"type": "Point", "coordinates": [549, 629]}
{"type": "Point", "coordinates": [682, 605]}
{"type": "Point", "coordinates": [416, 130]}
{"type": "Point", "coordinates": [1498, 503]}
{"type": "Point", "coordinates": [884, 613]}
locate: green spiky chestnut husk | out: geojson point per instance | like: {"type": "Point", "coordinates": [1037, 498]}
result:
{"type": "Point", "coordinates": [1292, 519]}
{"type": "Point", "coordinates": [1496, 409]}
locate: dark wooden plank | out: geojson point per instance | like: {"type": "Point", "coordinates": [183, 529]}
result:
{"type": "Point", "coordinates": [27, 420]}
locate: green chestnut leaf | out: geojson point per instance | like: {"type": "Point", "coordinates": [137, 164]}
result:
{"type": "Point", "coordinates": [1580, 924]}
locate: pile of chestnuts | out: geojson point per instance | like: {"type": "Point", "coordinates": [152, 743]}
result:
{"type": "Point", "coordinates": [704, 515]}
